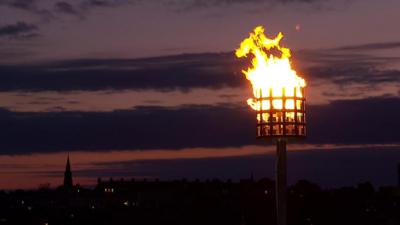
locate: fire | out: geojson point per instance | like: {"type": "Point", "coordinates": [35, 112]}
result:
{"type": "Point", "coordinates": [271, 73]}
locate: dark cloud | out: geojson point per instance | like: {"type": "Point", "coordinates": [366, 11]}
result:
{"type": "Point", "coordinates": [67, 8]}
{"type": "Point", "coordinates": [20, 4]}
{"type": "Point", "coordinates": [370, 121]}
{"type": "Point", "coordinates": [19, 30]}
{"type": "Point", "coordinates": [82, 9]}
{"type": "Point", "coordinates": [184, 72]}
{"type": "Point", "coordinates": [231, 2]}
{"type": "Point", "coordinates": [163, 73]}
{"type": "Point", "coordinates": [30, 6]}
{"type": "Point", "coordinates": [346, 68]}
{"type": "Point", "coordinates": [76, 8]}
{"type": "Point", "coordinates": [370, 46]}
{"type": "Point", "coordinates": [255, 6]}
{"type": "Point", "coordinates": [143, 128]}
{"type": "Point", "coordinates": [105, 3]}
{"type": "Point", "coordinates": [352, 53]}
{"type": "Point", "coordinates": [347, 74]}
{"type": "Point", "coordinates": [196, 4]}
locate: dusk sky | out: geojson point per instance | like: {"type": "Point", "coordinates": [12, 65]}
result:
{"type": "Point", "coordinates": [152, 89]}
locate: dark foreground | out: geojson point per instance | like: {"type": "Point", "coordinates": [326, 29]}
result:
{"type": "Point", "coordinates": [200, 203]}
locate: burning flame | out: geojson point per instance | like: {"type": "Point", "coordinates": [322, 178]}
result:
{"type": "Point", "coordinates": [271, 71]}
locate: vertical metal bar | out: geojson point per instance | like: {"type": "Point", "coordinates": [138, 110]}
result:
{"type": "Point", "coordinates": [270, 113]}
{"type": "Point", "coordinates": [284, 111]}
{"type": "Point", "coordinates": [303, 103]}
{"type": "Point", "coordinates": [295, 112]}
{"type": "Point", "coordinates": [303, 92]}
{"type": "Point", "coordinates": [281, 182]}
{"type": "Point", "coordinates": [260, 124]}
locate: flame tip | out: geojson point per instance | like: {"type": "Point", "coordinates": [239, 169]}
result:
{"type": "Point", "coordinates": [269, 70]}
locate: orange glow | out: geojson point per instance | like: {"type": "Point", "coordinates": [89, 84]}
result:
{"type": "Point", "coordinates": [271, 72]}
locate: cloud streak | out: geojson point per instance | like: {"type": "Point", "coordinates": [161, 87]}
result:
{"type": "Point", "coordinates": [83, 8]}
{"type": "Point", "coordinates": [188, 71]}
{"type": "Point", "coordinates": [342, 122]}
{"type": "Point", "coordinates": [20, 4]}
{"type": "Point", "coordinates": [30, 6]}
{"type": "Point", "coordinates": [182, 5]}
{"type": "Point", "coordinates": [19, 30]}
{"type": "Point", "coordinates": [49, 12]}
{"type": "Point", "coordinates": [181, 72]}
{"type": "Point", "coordinates": [370, 46]}
{"type": "Point", "coordinates": [66, 8]}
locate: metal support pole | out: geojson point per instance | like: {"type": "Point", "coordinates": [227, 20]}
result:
{"type": "Point", "coordinates": [281, 205]}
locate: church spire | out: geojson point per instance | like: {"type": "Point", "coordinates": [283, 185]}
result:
{"type": "Point", "coordinates": [68, 175]}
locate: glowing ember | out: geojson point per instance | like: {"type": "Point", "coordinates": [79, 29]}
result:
{"type": "Point", "coordinates": [271, 73]}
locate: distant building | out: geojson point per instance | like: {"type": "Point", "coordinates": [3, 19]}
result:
{"type": "Point", "coordinates": [68, 175]}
